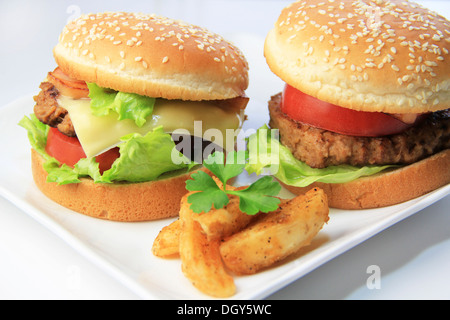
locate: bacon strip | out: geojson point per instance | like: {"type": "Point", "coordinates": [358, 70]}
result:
{"type": "Point", "coordinates": [67, 86]}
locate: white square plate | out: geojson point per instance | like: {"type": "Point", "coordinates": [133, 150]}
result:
{"type": "Point", "coordinates": [124, 249]}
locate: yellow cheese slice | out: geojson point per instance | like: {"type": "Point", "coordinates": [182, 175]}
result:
{"type": "Point", "coordinates": [99, 134]}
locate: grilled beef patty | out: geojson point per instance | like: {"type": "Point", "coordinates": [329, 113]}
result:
{"type": "Point", "coordinates": [321, 148]}
{"type": "Point", "coordinates": [49, 112]}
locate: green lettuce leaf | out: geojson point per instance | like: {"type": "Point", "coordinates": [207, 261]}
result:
{"type": "Point", "coordinates": [145, 158]}
{"type": "Point", "coordinates": [126, 105]}
{"type": "Point", "coordinates": [142, 158]}
{"type": "Point", "coordinates": [37, 133]}
{"type": "Point", "coordinates": [266, 153]}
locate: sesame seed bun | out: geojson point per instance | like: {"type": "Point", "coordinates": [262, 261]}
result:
{"type": "Point", "coordinates": [126, 202]}
{"type": "Point", "coordinates": [152, 56]}
{"type": "Point", "coordinates": [385, 56]}
{"type": "Point", "coordinates": [386, 188]}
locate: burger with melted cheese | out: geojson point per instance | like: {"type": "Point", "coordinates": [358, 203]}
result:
{"type": "Point", "coordinates": [103, 126]}
{"type": "Point", "coordinates": [364, 113]}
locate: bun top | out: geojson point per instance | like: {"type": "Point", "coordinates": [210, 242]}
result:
{"type": "Point", "coordinates": [151, 55]}
{"type": "Point", "coordinates": [387, 56]}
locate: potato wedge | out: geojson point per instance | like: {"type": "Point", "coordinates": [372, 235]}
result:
{"type": "Point", "coordinates": [217, 224]}
{"type": "Point", "coordinates": [220, 223]}
{"type": "Point", "coordinates": [276, 235]}
{"type": "Point", "coordinates": [167, 242]}
{"type": "Point", "coordinates": [200, 257]}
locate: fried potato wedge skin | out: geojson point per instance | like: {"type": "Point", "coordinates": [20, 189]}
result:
{"type": "Point", "coordinates": [201, 261]}
{"type": "Point", "coordinates": [217, 224]}
{"type": "Point", "coordinates": [166, 243]}
{"type": "Point", "coordinates": [276, 235]}
{"type": "Point", "coordinates": [220, 223]}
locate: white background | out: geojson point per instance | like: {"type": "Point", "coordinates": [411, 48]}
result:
{"type": "Point", "coordinates": [413, 255]}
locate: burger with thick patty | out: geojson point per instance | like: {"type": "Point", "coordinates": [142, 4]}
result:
{"type": "Point", "coordinates": [364, 113]}
{"type": "Point", "coordinates": [128, 91]}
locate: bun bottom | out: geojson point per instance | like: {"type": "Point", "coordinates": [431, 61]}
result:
{"type": "Point", "coordinates": [388, 188]}
{"type": "Point", "coordinates": [131, 202]}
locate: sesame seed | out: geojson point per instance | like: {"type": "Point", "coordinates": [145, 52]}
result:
{"type": "Point", "coordinates": [126, 28]}
{"type": "Point", "coordinates": [431, 63]}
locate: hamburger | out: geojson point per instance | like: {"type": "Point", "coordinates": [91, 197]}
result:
{"type": "Point", "coordinates": [115, 123]}
{"type": "Point", "coordinates": [364, 112]}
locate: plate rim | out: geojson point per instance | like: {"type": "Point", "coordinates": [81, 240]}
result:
{"type": "Point", "coordinates": [91, 254]}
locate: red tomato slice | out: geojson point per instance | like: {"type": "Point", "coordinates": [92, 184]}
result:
{"type": "Point", "coordinates": [106, 159]}
{"type": "Point", "coordinates": [312, 111]}
{"type": "Point", "coordinates": [68, 150]}
{"type": "Point", "coordinates": [65, 149]}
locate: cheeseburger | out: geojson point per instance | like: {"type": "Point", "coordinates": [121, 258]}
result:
{"type": "Point", "coordinates": [104, 123]}
{"type": "Point", "coordinates": [364, 112]}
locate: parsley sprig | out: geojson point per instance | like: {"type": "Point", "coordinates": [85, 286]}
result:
{"type": "Point", "coordinates": [258, 197]}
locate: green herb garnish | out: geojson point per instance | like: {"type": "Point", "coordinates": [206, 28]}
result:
{"type": "Point", "coordinates": [258, 197]}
